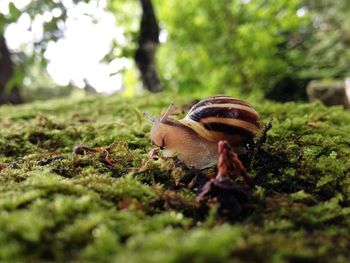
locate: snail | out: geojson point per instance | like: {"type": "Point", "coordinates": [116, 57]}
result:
{"type": "Point", "coordinates": [194, 139]}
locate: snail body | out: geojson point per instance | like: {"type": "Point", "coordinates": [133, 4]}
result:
{"type": "Point", "coordinates": [194, 139]}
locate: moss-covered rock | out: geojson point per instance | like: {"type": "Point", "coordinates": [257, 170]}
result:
{"type": "Point", "coordinates": [118, 205]}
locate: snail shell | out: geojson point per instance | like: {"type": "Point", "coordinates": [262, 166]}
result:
{"type": "Point", "coordinates": [194, 139]}
{"type": "Point", "coordinates": [224, 118]}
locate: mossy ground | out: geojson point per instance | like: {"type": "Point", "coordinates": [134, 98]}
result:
{"type": "Point", "coordinates": [57, 206]}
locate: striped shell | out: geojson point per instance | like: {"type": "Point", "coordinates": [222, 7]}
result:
{"type": "Point", "coordinates": [224, 118]}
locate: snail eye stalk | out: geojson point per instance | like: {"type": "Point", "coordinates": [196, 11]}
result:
{"type": "Point", "coordinates": [150, 117]}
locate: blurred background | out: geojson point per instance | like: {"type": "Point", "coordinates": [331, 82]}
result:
{"type": "Point", "coordinates": [280, 50]}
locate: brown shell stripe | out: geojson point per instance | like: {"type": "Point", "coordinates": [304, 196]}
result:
{"type": "Point", "coordinates": [228, 130]}
{"type": "Point", "coordinates": [229, 111]}
{"type": "Point", "coordinates": [230, 126]}
{"type": "Point", "coordinates": [219, 100]}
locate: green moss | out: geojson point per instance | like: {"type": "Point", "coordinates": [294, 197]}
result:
{"type": "Point", "coordinates": [120, 205]}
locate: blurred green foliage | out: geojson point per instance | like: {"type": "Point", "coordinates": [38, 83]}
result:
{"type": "Point", "coordinates": [222, 45]}
{"type": "Point", "coordinates": [327, 50]}
{"type": "Point", "coordinates": [219, 46]}
{"type": "Point", "coordinates": [247, 46]}
{"type": "Point", "coordinates": [250, 45]}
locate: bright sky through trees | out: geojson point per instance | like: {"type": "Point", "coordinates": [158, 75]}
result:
{"type": "Point", "coordinates": [77, 56]}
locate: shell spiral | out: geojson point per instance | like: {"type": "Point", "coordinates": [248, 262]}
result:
{"type": "Point", "coordinates": [224, 118]}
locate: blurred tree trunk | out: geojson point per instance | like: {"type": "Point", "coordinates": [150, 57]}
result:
{"type": "Point", "coordinates": [12, 96]}
{"type": "Point", "coordinates": [147, 46]}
